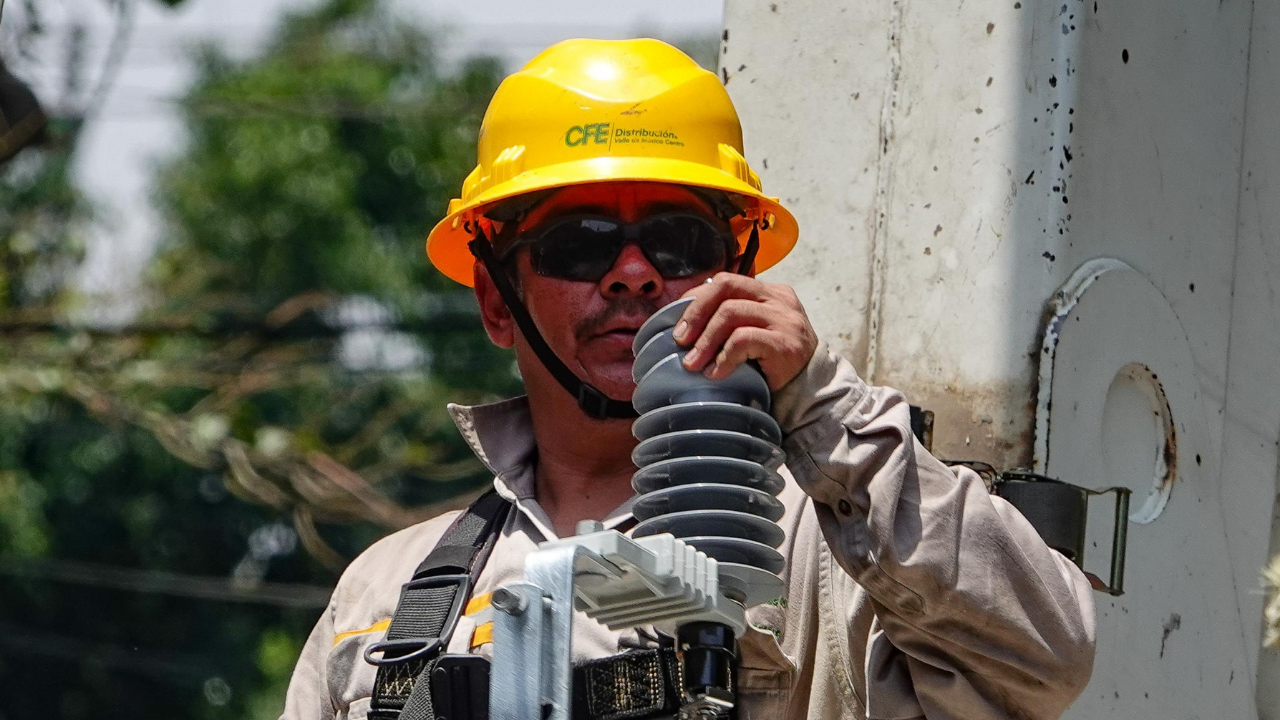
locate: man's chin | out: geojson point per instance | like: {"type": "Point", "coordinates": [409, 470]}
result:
{"type": "Point", "coordinates": [615, 384]}
{"type": "Point", "coordinates": [609, 372]}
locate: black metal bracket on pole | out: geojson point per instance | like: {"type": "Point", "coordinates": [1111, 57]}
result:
{"type": "Point", "coordinates": [1059, 512]}
{"type": "Point", "coordinates": [922, 426]}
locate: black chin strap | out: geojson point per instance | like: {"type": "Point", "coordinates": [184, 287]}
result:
{"type": "Point", "coordinates": [592, 401]}
{"type": "Point", "coordinates": [749, 252]}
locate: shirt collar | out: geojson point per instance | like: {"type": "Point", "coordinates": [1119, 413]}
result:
{"type": "Point", "coordinates": [501, 436]}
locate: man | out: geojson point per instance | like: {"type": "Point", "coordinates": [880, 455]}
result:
{"type": "Point", "coordinates": [611, 183]}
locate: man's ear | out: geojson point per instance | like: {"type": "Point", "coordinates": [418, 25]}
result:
{"type": "Point", "coordinates": [493, 309]}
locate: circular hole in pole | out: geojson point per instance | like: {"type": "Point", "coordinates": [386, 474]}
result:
{"type": "Point", "coordinates": [1139, 445]}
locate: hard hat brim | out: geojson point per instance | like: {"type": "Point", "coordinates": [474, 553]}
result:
{"type": "Point", "coordinates": [447, 242]}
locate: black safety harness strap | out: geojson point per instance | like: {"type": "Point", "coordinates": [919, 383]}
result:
{"type": "Point", "coordinates": [429, 607]}
{"type": "Point", "coordinates": [748, 257]}
{"type": "Point", "coordinates": [636, 684]}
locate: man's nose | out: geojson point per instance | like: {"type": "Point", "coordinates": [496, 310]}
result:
{"type": "Point", "coordinates": [632, 275]}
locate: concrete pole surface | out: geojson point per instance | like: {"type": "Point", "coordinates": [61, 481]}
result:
{"type": "Point", "coordinates": [1057, 225]}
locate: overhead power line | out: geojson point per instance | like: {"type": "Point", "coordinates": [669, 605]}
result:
{"type": "Point", "coordinates": [191, 670]}
{"type": "Point", "coordinates": [200, 587]}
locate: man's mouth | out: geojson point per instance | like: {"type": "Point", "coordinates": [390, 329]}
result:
{"type": "Point", "coordinates": [621, 334]}
{"type": "Point", "coordinates": [620, 331]}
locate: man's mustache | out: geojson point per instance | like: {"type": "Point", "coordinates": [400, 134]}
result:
{"type": "Point", "coordinates": [623, 308]}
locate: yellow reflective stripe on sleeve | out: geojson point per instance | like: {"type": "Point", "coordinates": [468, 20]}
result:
{"type": "Point", "coordinates": [379, 626]}
{"type": "Point", "coordinates": [477, 603]}
{"type": "Point", "coordinates": [481, 635]}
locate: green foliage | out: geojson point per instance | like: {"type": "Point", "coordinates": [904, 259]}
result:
{"type": "Point", "coordinates": [310, 180]}
{"type": "Point", "coordinates": [42, 219]}
{"type": "Point", "coordinates": [321, 166]}
{"type": "Point", "coordinates": [318, 169]}
{"type": "Point", "coordinates": [293, 326]}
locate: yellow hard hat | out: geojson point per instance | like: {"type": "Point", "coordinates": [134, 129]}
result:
{"type": "Point", "coordinates": [591, 111]}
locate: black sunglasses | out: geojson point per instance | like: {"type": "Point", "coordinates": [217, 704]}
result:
{"type": "Point", "coordinates": [584, 247]}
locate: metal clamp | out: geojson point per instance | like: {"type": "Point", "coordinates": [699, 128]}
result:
{"type": "Point", "coordinates": [1059, 513]}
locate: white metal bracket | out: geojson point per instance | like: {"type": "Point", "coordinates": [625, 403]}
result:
{"type": "Point", "coordinates": [614, 579]}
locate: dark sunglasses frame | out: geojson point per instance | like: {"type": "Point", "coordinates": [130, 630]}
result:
{"type": "Point", "coordinates": [551, 243]}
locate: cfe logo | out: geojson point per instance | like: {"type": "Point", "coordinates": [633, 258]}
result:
{"type": "Point", "coordinates": [597, 133]}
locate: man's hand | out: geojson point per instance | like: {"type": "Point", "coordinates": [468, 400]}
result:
{"type": "Point", "coordinates": [735, 318]}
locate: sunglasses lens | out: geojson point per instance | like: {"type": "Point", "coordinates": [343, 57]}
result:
{"type": "Point", "coordinates": [585, 248]}
{"type": "Point", "coordinates": [683, 245]}
{"type": "Point", "coordinates": [577, 249]}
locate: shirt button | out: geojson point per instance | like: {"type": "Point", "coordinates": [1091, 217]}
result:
{"type": "Point", "coordinates": [844, 507]}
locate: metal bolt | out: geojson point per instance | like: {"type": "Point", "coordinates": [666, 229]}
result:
{"type": "Point", "coordinates": [509, 602]}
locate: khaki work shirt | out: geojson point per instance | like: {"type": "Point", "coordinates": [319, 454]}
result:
{"type": "Point", "coordinates": [910, 590]}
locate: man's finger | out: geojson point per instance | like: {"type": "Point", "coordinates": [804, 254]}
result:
{"type": "Point", "coordinates": [708, 296]}
{"type": "Point", "coordinates": [730, 314]}
{"type": "Point", "coordinates": [743, 344]}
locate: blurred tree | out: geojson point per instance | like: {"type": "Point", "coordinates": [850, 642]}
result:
{"type": "Point", "coordinates": [42, 219]}
{"type": "Point", "coordinates": [295, 349]}
{"type": "Point", "coordinates": [298, 215]}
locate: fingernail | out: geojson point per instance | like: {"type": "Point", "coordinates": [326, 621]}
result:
{"type": "Point", "coordinates": [710, 371]}
{"type": "Point", "coordinates": [690, 357]}
{"type": "Point", "coordinates": [681, 329]}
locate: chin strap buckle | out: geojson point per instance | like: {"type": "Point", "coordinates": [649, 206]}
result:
{"type": "Point", "coordinates": [593, 402]}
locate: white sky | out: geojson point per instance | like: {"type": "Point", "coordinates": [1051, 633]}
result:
{"type": "Point", "coordinates": [138, 124]}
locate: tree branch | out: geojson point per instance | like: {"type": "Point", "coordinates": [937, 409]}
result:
{"type": "Point", "coordinates": [314, 486]}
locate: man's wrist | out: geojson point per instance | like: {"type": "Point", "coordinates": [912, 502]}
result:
{"type": "Point", "coordinates": [828, 384]}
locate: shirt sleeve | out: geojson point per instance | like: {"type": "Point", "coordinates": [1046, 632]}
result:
{"type": "Point", "coordinates": [308, 697]}
{"type": "Point", "coordinates": [988, 620]}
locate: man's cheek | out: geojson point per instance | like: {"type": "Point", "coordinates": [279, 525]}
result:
{"type": "Point", "coordinates": [677, 289]}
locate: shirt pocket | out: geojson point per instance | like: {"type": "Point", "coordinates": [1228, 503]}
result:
{"type": "Point", "coordinates": [765, 674]}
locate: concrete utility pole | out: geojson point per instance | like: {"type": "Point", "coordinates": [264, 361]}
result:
{"type": "Point", "coordinates": [1057, 224]}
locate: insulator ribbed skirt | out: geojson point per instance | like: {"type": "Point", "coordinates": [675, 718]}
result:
{"type": "Point", "coordinates": [708, 458]}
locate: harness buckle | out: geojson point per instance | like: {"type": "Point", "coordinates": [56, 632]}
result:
{"type": "Point", "coordinates": [593, 402]}
{"type": "Point", "coordinates": [460, 688]}
{"type": "Point", "coordinates": [408, 649]}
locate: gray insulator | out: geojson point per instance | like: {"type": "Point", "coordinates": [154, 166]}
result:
{"type": "Point", "coordinates": [668, 383]}
{"type": "Point", "coordinates": [741, 552]}
{"type": "Point", "coordinates": [708, 496]}
{"type": "Point", "coordinates": [717, 443]}
{"type": "Point", "coordinates": [708, 416]}
{"type": "Point", "coordinates": [687, 470]}
{"type": "Point", "coordinates": [708, 458]}
{"type": "Point", "coordinates": [665, 319]}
